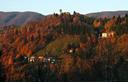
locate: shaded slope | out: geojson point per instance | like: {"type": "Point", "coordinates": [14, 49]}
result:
{"type": "Point", "coordinates": [18, 18]}
{"type": "Point", "coordinates": [108, 14]}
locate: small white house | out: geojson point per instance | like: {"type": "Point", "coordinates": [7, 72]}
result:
{"type": "Point", "coordinates": [40, 58]}
{"type": "Point", "coordinates": [31, 59]}
{"type": "Point", "coordinates": [111, 34]}
{"type": "Point", "coordinates": [104, 35]}
{"type": "Point", "coordinates": [70, 51]}
{"type": "Point", "coordinates": [53, 61]}
{"type": "Point", "coordinates": [107, 34]}
{"type": "Point", "coordinates": [49, 59]}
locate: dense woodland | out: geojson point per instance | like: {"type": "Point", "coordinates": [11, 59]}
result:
{"type": "Point", "coordinates": [94, 59]}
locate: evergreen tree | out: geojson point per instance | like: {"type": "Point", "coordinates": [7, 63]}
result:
{"type": "Point", "coordinates": [60, 11]}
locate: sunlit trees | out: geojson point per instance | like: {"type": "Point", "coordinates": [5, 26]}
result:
{"type": "Point", "coordinates": [96, 23]}
{"type": "Point", "coordinates": [110, 23]}
{"type": "Point", "coordinates": [71, 38]}
{"type": "Point", "coordinates": [122, 45]}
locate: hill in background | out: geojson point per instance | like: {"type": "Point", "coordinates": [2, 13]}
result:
{"type": "Point", "coordinates": [22, 18]}
{"type": "Point", "coordinates": [107, 14]}
{"type": "Point", "coordinates": [18, 18]}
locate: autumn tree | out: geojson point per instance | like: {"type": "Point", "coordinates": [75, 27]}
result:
{"type": "Point", "coordinates": [96, 23]}
{"type": "Point", "coordinates": [110, 23]}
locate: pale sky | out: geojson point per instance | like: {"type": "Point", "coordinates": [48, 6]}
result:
{"type": "Point", "coordinates": [50, 6]}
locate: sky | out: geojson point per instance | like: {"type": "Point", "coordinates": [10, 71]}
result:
{"type": "Point", "coordinates": [46, 7]}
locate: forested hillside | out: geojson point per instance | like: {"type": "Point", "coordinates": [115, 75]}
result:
{"type": "Point", "coordinates": [81, 49]}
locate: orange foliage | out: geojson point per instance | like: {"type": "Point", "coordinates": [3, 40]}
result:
{"type": "Point", "coordinates": [96, 23]}
{"type": "Point", "coordinates": [109, 24]}
{"type": "Point", "coordinates": [10, 61]}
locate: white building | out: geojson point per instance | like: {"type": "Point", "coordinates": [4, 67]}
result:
{"type": "Point", "coordinates": [107, 34]}
{"type": "Point", "coordinates": [104, 35]}
{"type": "Point", "coordinates": [40, 58]}
{"type": "Point", "coordinates": [71, 51]}
{"type": "Point", "coordinates": [31, 59]}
